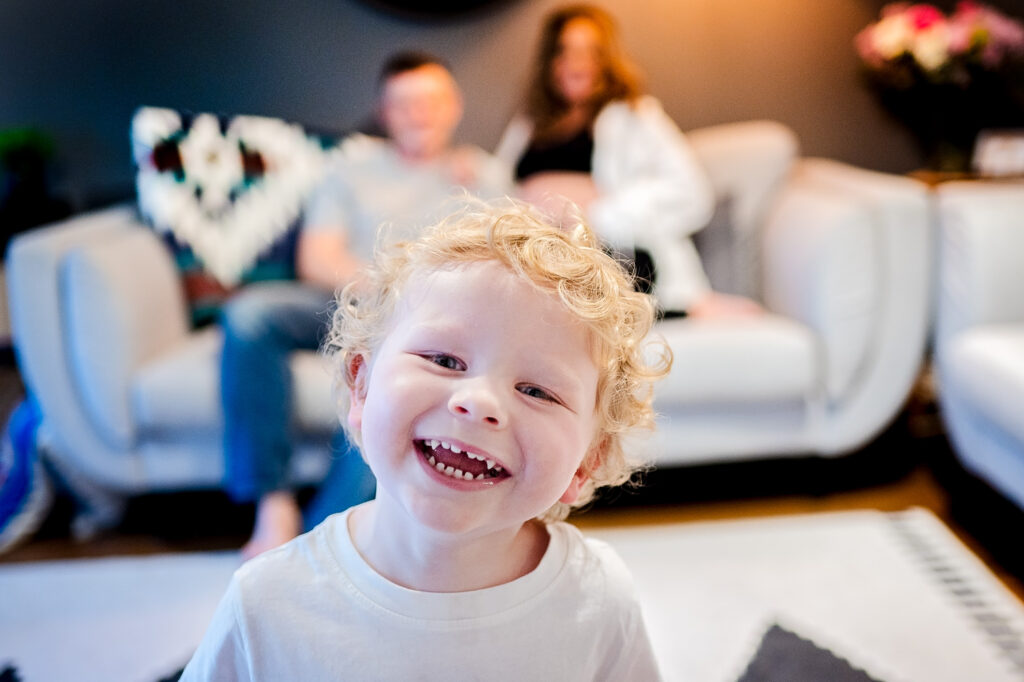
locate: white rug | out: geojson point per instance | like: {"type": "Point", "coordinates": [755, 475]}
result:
{"type": "Point", "coordinates": [896, 595]}
{"type": "Point", "coordinates": [135, 619]}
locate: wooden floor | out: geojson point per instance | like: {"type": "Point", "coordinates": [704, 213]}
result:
{"type": "Point", "coordinates": [910, 466]}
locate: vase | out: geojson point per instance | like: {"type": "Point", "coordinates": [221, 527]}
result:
{"type": "Point", "coordinates": [945, 118]}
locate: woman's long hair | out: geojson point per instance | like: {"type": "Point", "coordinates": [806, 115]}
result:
{"type": "Point", "coordinates": [620, 79]}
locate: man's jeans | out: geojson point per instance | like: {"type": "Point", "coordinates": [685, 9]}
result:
{"type": "Point", "coordinates": [263, 324]}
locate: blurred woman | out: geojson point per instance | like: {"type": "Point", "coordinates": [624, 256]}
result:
{"type": "Point", "coordinates": [590, 136]}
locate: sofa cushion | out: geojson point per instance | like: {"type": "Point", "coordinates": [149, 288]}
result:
{"type": "Point", "coordinates": [227, 193]}
{"type": "Point", "coordinates": [985, 366]}
{"type": "Point", "coordinates": [980, 256]}
{"type": "Point", "coordinates": [181, 389]}
{"type": "Point", "coordinates": [739, 360]}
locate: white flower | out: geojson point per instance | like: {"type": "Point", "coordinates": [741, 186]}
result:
{"type": "Point", "coordinates": [892, 36]}
{"type": "Point", "coordinates": [931, 47]}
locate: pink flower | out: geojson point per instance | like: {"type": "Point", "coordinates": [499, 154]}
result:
{"type": "Point", "coordinates": [939, 45]}
{"type": "Point", "coordinates": [922, 16]}
{"type": "Point", "coordinates": [991, 33]}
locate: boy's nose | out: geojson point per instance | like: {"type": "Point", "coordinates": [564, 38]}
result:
{"type": "Point", "coordinates": [479, 403]}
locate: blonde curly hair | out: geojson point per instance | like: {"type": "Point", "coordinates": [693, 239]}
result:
{"type": "Point", "coordinates": [564, 260]}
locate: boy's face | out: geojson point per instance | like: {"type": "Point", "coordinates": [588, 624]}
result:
{"type": "Point", "coordinates": [420, 110]}
{"type": "Point", "coordinates": [484, 374]}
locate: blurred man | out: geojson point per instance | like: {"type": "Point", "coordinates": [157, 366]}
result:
{"type": "Point", "coordinates": [401, 183]}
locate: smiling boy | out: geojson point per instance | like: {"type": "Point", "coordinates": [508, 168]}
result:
{"type": "Point", "coordinates": [491, 369]}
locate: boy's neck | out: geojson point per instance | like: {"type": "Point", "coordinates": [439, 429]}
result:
{"type": "Point", "coordinates": [429, 561]}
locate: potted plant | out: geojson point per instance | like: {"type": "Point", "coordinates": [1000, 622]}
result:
{"type": "Point", "coordinates": [946, 77]}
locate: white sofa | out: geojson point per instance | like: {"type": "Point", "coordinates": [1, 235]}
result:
{"type": "Point", "coordinates": [845, 273]}
{"type": "Point", "coordinates": [979, 341]}
{"type": "Point", "coordinates": [129, 393]}
{"type": "Point", "coordinates": [839, 256]}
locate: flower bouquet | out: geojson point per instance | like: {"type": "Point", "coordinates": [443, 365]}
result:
{"type": "Point", "coordinates": [946, 77]}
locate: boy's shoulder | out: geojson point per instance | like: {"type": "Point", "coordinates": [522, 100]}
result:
{"type": "Point", "coordinates": [304, 557]}
{"type": "Point", "coordinates": [595, 566]}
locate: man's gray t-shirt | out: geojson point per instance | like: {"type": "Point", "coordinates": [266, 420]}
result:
{"type": "Point", "coordinates": [371, 187]}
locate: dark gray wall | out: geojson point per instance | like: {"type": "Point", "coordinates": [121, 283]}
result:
{"type": "Point", "coordinates": [78, 68]}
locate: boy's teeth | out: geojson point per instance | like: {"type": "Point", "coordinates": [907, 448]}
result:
{"type": "Point", "coordinates": [492, 467]}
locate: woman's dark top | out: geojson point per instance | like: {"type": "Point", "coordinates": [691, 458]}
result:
{"type": "Point", "coordinates": [572, 154]}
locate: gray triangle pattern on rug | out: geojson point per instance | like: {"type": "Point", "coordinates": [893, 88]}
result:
{"type": "Point", "coordinates": [785, 655]}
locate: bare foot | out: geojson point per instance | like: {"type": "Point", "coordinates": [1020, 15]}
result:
{"type": "Point", "coordinates": [278, 520]}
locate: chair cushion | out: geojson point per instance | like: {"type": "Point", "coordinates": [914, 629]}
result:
{"type": "Point", "coordinates": [986, 366]}
{"type": "Point", "coordinates": [180, 390]}
{"type": "Point", "coordinates": [762, 358]}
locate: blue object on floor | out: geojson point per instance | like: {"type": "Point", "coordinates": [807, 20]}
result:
{"type": "Point", "coordinates": [25, 489]}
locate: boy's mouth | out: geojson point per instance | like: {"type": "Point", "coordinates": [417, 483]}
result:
{"type": "Point", "coordinates": [450, 460]}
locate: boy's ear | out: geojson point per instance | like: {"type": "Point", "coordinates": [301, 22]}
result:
{"type": "Point", "coordinates": [572, 493]}
{"type": "Point", "coordinates": [358, 372]}
{"type": "Point", "coordinates": [590, 462]}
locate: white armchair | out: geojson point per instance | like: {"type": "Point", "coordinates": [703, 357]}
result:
{"type": "Point", "coordinates": [839, 255]}
{"type": "Point", "coordinates": [129, 394]}
{"type": "Point", "coordinates": [979, 342]}
{"type": "Point", "coordinates": [841, 258]}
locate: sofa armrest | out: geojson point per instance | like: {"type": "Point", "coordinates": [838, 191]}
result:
{"type": "Point", "coordinates": [848, 253]}
{"type": "Point", "coordinates": [820, 270]}
{"type": "Point", "coordinates": [90, 298]}
{"type": "Point", "coordinates": [124, 305]}
{"type": "Point", "coordinates": [980, 255]}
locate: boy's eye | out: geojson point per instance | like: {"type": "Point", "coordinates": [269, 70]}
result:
{"type": "Point", "coordinates": [538, 393]}
{"type": "Point", "coordinates": [446, 361]}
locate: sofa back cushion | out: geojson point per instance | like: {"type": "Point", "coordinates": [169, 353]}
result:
{"type": "Point", "coordinates": [226, 193]}
{"type": "Point", "coordinates": [981, 256]}
{"type": "Point", "coordinates": [747, 163]}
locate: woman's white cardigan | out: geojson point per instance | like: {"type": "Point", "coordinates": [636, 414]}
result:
{"type": "Point", "coordinates": [653, 192]}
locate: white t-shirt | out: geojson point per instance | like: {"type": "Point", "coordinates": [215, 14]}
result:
{"type": "Point", "coordinates": [313, 609]}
